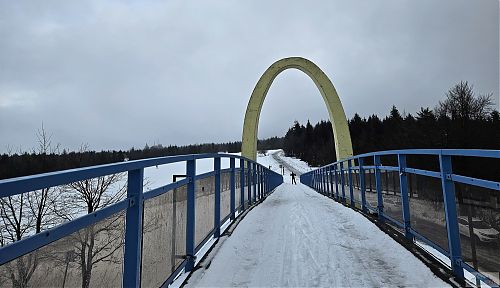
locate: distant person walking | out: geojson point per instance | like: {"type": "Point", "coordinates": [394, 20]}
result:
{"type": "Point", "coordinates": [293, 178]}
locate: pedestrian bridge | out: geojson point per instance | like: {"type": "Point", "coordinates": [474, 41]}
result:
{"type": "Point", "coordinates": [367, 220]}
{"type": "Point", "coordinates": [356, 222]}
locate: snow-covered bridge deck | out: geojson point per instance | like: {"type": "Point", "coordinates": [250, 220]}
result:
{"type": "Point", "coordinates": [298, 237]}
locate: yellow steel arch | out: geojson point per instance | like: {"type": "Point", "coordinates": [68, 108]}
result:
{"type": "Point", "coordinates": [343, 145]}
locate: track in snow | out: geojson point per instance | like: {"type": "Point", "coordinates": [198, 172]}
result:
{"type": "Point", "coordinates": [298, 237]}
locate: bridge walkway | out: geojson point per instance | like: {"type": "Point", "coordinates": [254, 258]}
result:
{"type": "Point", "coordinates": [298, 237]}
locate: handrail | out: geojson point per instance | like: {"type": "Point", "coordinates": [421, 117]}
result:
{"type": "Point", "coordinates": [262, 182]}
{"type": "Point", "coordinates": [325, 178]}
{"type": "Point", "coordinates": [485, 153]}
{"type": "Point", "coordinates": [18, 185]}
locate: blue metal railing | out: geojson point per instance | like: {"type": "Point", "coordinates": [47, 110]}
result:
{"type": "Point", "coordinates": [326, 181]}
{"type": "Point", "coordinates": [260, 182]}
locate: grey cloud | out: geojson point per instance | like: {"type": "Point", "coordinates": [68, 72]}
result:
{"type": "Point", "coordinates": [116, 74]}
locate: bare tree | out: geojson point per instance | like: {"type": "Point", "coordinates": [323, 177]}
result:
{"type": "Point", "coordinates": [17, 222]}
{"type": "Point", "coordinates": [98, 242]}
{"type": "Point", "coordinates": [462, 104]}
{"type": "Point", "coordinates": [26, 214]}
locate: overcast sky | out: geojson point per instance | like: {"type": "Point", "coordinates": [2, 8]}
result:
{"type": "Point", "coordinates": [117, 74]}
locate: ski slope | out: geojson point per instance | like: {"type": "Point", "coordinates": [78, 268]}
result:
{"type": "Point", "coordinates": [298, 237]}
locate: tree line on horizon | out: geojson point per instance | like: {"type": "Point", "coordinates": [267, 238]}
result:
{"type": "Point", "coordinates": [42, 160]}
{"type": "Point", "coordinates": [463, 120]}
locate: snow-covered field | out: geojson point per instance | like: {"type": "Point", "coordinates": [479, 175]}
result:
{"type": "Point", "coordinates": [298, 237]}
{"type": "Point", "coordinates": [155, 177]}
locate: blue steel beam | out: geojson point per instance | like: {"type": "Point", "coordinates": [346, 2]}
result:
{"type": "Point", "coordinates": [217, 197]}
{"type": "Point", "coordinates": [254, 181]}
{"type": "Point", "coordinates": [232, 181]}
{"type": "Point", "coordinates": [336, 184]}
{"type": "Point", "coordinates": [451, 216]}
{"type": "Point", "coordinates": [476, 182]}
{"type": "Point", "coordinates": [191, 216]}
{"type": "Point", "coordinates": [133, 230]}
{"type": "Point", "coordinates": [378, 185]}
{"type": "Point", "coordinates": [449, 152]}
{"type": "Point", "coordinates": [249, 182]}
{"type": "Point", "coordinates": [403, 187]}
{"type": "Point", "coordinates": [13, 186]}
{"type": "Point", "coordinates": [242, 184]}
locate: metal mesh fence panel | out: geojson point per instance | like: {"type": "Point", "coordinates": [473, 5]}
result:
{"type": "Point", "coordinates": [391, 195]}
{"type": "Point", "coordinates": [427, 212]}
{"type": "Point", "coordinates": [164, 236]}
{"type": "Point", "coordinates": [371, 191]}
{"type": "Point", "coordinates": [479, 226]}
{"type": "Point", "coordinates": [205, 206]}
{"type": "Point", "coordinates": [225, 195]}
{"type": "Point", "coordinates": [98, 247]}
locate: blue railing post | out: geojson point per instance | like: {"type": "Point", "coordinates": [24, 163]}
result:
{"type": "Point", "coordinates": [362, 185]}
{"type": "Point", "coordinates": [403, 187]}
{"type": "Point", "coordinates": [327, 178]}
{"type": "Point", "coordinates": [266, 173]}
{"type": "Point", "coordinates": [268, 186]}
{"type": "Point", "coordinates": [325, 182]}
{"type": "Point", "coordinates": [325, 172]}
{"type": "Point", "coordinates": [190, 215]}
{"type": "Point", "coordinates": [378, 185]}
{"type": "Point", "coordinates": [254, 186]}
{"type": "Point", "coordinates": [242, 184]}
{"type": "Point", "coordinates": [268, 182]}
{"type": "Point", "coordinates": [351, 189]}
{"type": "Point", "coordinates": [322, 181]}
{"type": "Point", "coordinates": [264, 181]}
{"type": "Point", "coordinates": [256, 182]}
{"type": "Point", "coordinates": [331, 181]}
{"type": "Point", "coordinates": [232, 184]}
{"type": "Point", "coordinates": [262, 187]}
{"type": "Point", "coordinates": [259, 191]}
{"type": "Point", "coordinates": [133, 230]}
{"type": "Point", "coordinates": [451, 215]}
{"type": "Point", "coordinates": [217, 197]}
{"type": "Point", "coordinates": [342, 181]}
{"type": "Point", "coordinates": [316, 181]}
{"type": "Point", "coordinates": [266, 177]}
{"type": "Point", "coordinates": [249, 186]}
{"type": "Point", "coordinates": [336, 183]}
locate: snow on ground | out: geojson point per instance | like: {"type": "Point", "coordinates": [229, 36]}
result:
{"type": "Point", "coordinates": [298, 237]}
{"type": "Point", "coordinates": [291, 163]}
{"type": "Point", "coordinates": [161, 175]}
